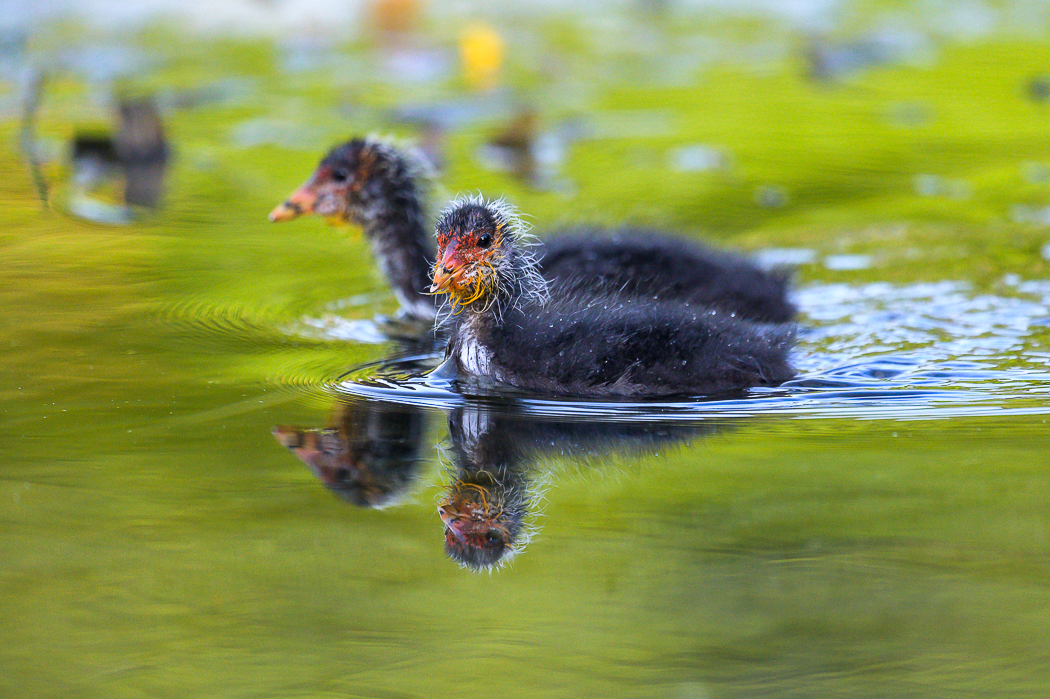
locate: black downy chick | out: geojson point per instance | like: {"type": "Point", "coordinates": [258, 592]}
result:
{"type": "Point", "coordinates": [505, 324]}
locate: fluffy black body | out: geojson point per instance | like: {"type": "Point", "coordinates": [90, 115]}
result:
{"type": "Point", "coordinates": [639, 262]}
{"type": "Point", "coordinates": [595, 343]}
{"type": "Point", "coordinates": [615, 346]}
{"type": "Point", "coordinates": [379, 187]}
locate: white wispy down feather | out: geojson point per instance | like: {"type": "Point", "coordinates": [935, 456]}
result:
{"type": "Point", "coordinates": [517, 261]}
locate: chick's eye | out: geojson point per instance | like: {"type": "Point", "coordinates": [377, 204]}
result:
{"type": "Point", "coordinates": [340, 175]}
{"type": "Point", "coordinates": [484, 240]}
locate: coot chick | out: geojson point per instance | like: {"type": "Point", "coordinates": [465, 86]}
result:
{"type": "Point", "coordinates": [370, 183]}
{"type": "Point", "coordinates": [379, 187]}
{"type": "Point", "coordinates": [505, 324]}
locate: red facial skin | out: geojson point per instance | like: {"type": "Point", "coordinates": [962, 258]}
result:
{"type": "Point", "coordinates": [329, 190]}
{"type": "Point", "coordinates": [460, 270]}
{"type": "Point", "coordinates": [320, 194]}
{"type": "Point", "coordinates": [470, 521]}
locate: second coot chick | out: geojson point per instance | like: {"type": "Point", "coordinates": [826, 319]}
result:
{"type": "Point", "coordinates": [505, 325]}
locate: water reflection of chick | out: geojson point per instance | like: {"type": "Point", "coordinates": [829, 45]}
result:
{"type": "Point", "coordinates": [501, 460]}
{"type": "Point", "coordinates": [496, 482]}
{"type": "Point", "coordinates": [485, 506]}
{"type": "Point", "coordinates": [370, 457]}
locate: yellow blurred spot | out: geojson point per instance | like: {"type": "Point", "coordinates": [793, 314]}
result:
{"type": "Point", "coordinates": [481, 55]}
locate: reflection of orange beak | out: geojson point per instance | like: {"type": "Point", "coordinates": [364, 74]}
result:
{"type": "Point", "coordinates": [448, 271]}
{"type": "Point", "coordinates": [288, 436]}
{"type": "Point", "coordinates": [301, 443]}
{"type": "Point", "coordinates": [300, 202]}
{"type": "Point", "coordinates": [450, 518]}
{"type": "Point", "coordinates": [325, 465]}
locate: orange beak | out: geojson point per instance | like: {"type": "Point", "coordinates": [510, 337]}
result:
{"type": "Point", "coordinates": [448, 271]}
{"type": "Point", "coordinates": [300, 202]}
{"type": "Point", "coordinates": [450, 518]}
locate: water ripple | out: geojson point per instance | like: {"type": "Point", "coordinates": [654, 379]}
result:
{"type": "Point", "coordinates": [202, 316]}
{"type": "Point", "coordinates": [874, 351]}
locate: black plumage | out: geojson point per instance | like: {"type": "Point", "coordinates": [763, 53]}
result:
{"type": "Point", "coordinates": [505, 325]}
{"type": "Point", "coordinates": [641, 262]}
{"type": "Point", "coordinates": [379, 187]}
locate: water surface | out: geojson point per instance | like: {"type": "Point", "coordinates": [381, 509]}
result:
{"type": "Point", "coordinates": [876, 527]}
